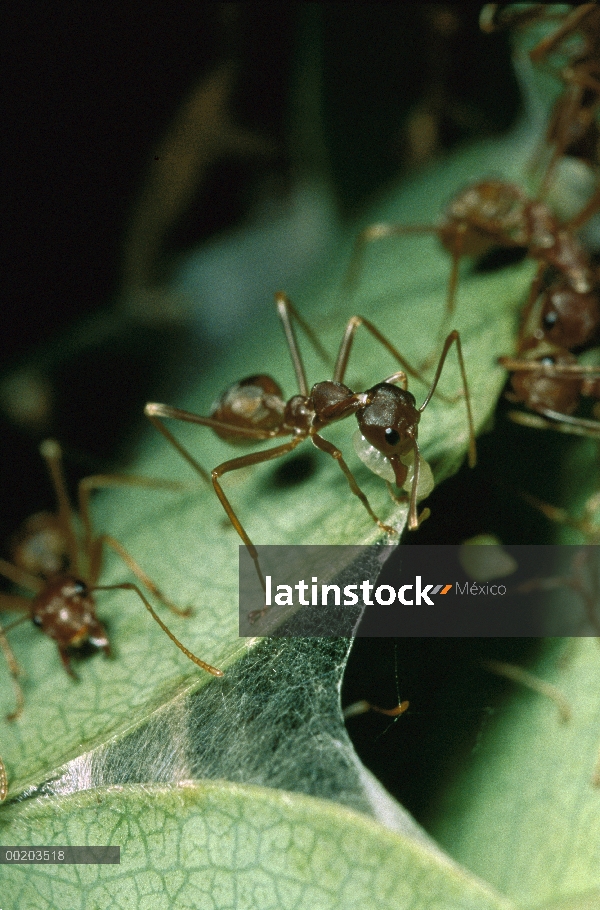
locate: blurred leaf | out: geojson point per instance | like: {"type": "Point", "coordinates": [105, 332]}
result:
{"type": "Point", "coordinates": [523, 811]}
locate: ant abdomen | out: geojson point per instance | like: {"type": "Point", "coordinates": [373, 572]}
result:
{"type": "Point", "coordinates": [490, 210]}
{"type": "Point", "coordinates": [256, 402]}
{"type": "Point", "coordinates": [39, 546]}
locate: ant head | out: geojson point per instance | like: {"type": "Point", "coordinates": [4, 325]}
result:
{"type": "Point", "coordinates": [547, 389]}
{"type": "Point", "coordinates": [569, 320]}
{"type": "Point", "coordinates": [254, 403]}
{"type": "Point", "coordinates": [389, 423]}
{"type": "Point", "coordinates": [65, 611]}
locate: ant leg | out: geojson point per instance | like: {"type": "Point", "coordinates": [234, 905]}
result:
{"type": "Point", "coordinates": [536, 287]}
{"type": "Point", "coordinates": [452, 338]}
{"type": "Point", "coordinates": [51, 452]}
{"type": "Point", "coordinates": [13, 603]}
{"type": "Point", "coordinates": [96, 559]}
{"type": "Point", "coordinates": [129, 586]}
{"type": "Point", "coordinates": [346, 346]}
{"type": "Point", "coordinates": [570, 24]}
{"type": "Point", "coordinates": [378, 232]}
{"type": "Point", "coordinates": [524, 678]}
{"type": "Point", "coordinates": [561, 423]}
{"type": "Point", "coordinates": [286, 309]}
{"type": "Point", "coordinates": [243, 462]}
{"type": "Point", "coordinates": [109, 481]}
{"type": "Point", "coordinates": [585, 525]}
{"type": "Point", "coordinates": [3, 782]}
{"type": "Point", "coordinates": [361, 707]}
{"type": "Point", "coordinates": [589, 209]}
{"type": "Point", "coordinates": [335, 453]}
{"type": "Point", "coordinates": [20, 577]}
{"type": "Point", "coordinates": [153, 411]}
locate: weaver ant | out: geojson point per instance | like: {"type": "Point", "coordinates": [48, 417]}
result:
{"type": "Point", "coordinates": [552, 384]}
{"type": "Point", "coordinates": [492, 214]}
{"type": "Point", "coordinates": [62, 572]}
{"type": "Point", "coordinates": [573, 129]}
{"type": "Point", "coordinates": [562, 318]}
{"type": "Point", "coordinates": [254, 410]}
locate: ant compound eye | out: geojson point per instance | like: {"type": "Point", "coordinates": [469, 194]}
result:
{"type": "Point", "coordinates": [550, 319]}
{"type": "Point", "coordinates": [392, 436]}
{"type": "Point", "coordinates": [547, 361]}
{"type": "Point", "coordinates": [36, 620]}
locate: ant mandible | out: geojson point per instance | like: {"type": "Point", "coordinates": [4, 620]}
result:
{"type": "Point", "coordinates": [62, 572]}
{"type": "Point", "coordinates": [254, 410]}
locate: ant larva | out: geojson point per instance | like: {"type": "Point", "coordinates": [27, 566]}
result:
{"type": "Point", "coordinates": [552, 384]}
{"type": "Point", "coordinates": [388, 417]}
{"type": "Point", "coordinates": [62, 572]}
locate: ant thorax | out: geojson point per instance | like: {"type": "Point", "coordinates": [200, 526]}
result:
{"type": "Point", "coordinates": [254, 403]}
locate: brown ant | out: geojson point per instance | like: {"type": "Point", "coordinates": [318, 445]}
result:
{"type": "Point", "coordinates": [562, 317]}
{"type": "Point", "coordinates": [254, 409]}
{"type": "Point", "coordinates": [573, 129]}
{"type": "Point", "coordinates": [492, 214]}
{"type": "Point", "coordinates": [551, 384]}
{"type": "Point", "coordinates": [62, 572]}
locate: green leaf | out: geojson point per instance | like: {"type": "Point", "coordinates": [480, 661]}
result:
{"type": "Point", "coordinates": [218, 845]}
{"type": "Point", "coordinates": [523, 811]}
{"type": "Point", "coordinates": [186, 543]}
{"type": "Point", "coordinates": [274, 719]}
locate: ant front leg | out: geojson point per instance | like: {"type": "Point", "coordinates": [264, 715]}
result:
{"type": "Point", "coordinates": [454, 338]}
{"type": "Point", "coordinates": [95, 558]}
{"type": "Point", "coordinates": [129, 586]}
{"type": "Point", "coordinates": [346, 346]}
{"type": "Point", "coordinates": [335, 453]}
{"type": "Point", "coordinates": [111, 481]}
{"type": "Point", "coordinates": [246, 461]}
